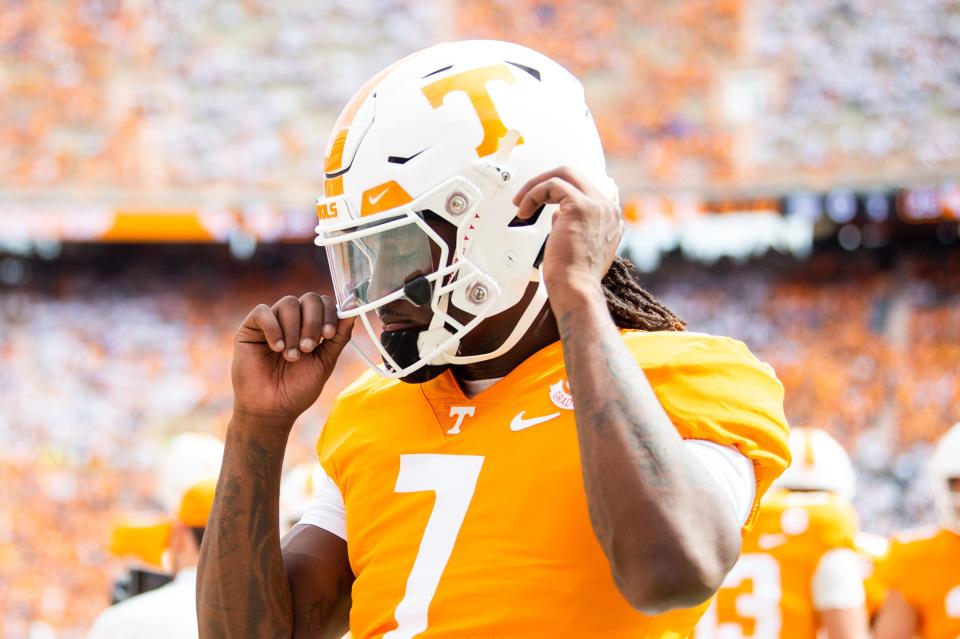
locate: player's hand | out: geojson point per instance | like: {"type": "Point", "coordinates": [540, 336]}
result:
{"type": "Point", "coordinates": [284, 354]}
{"type": "Point", "coordinates": [587, 228]}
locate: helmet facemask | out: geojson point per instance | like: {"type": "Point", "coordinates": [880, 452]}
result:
{"type": "Point", "coordinates": [383, 262]}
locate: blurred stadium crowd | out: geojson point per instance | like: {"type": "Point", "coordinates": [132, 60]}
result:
{"type": "Point", "coordinates": [116, 95]}
{"type": "Point", "coordinates": [229, 102]}
{"type": "Point", "coordinates": [729, 91]}
{"type": "Point", "coordinates": [111, 96]}
{"type": "Point", "coordinates": [864, 351]}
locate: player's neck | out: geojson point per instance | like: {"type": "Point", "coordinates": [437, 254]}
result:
{"type": "Point", "coordinates": [542, 333]}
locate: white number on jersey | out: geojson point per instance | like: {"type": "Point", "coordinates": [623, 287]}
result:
{"type": "Point", "coordinates": [762, 604]}
{"type": "Point", "coordinates": [453, 478]}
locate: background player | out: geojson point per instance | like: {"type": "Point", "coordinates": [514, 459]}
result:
{"type": "Point", "coordinates": [922, 569]}
{"type": "Point", "coordinates": [586, 512]}
{"type": "Point", "coordinates": [169, 612]}
{"type": "Point", "coordinates": [799, 574]}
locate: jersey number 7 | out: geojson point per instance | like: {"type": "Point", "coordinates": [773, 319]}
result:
{"type": "Point", "coordinates": [453, 478]}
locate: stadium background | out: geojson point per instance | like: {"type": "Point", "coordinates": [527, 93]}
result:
{"type": "Point", "coordinates": [789, 170]}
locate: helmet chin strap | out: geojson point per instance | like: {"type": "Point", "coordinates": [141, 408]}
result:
{"type": "Point", "coordinates": [437, 334]}
{"type": "Point", "coordinates": [534, 307]}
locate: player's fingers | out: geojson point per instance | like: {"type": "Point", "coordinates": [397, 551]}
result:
{"type": "Point", "coordinates": [333, 346]}
{"type": "Point", "coordinates": [311, 321]}
{"type": "Point", "coordinates": [287, 311]}
{"type": "Point", "coordinates": [330, 321]}
{"type": "Point", "coordinates": [551, 191]}
{"type": "Point", "coordinates": [565, 173]}
{"type": "Point", "coordinates": [342, 335]}
{"type": "Point", "coordinates": [262, 321]}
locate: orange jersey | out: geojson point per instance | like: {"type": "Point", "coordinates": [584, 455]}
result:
{"type": "Point", "coordinates": [467, 517]}
{"type": "Point", "coordinates": [769, 591]}
{"type": "Point", "coordinates": [924, 567]}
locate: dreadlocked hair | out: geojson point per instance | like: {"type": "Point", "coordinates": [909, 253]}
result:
{"type": "Point", "coordinates": [631, 305]}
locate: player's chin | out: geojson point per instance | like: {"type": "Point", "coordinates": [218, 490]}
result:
{"type": "Point", "coordinates": [402, 346]}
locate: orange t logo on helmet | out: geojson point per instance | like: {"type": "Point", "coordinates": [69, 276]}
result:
{"type": "Point", "coordinates": [474, 84]}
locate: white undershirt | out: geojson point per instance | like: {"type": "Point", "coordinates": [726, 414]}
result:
{"type": "Point", "coordinates": [730, 469]}
{"type": "Point", "coordinates": [837, 583]}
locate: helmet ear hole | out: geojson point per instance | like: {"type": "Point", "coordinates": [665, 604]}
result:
{"type": "Point", "coordinates": [516, 221]}
{"type": "Point", "coordinates": [543, 247]}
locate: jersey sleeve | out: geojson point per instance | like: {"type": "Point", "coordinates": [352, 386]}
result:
{"type": "Point", "coordinates": [837, 583]}
{"type": "Point", "coordinates": [337, 428]}
{"type": "Point", "coordinates": [715, 389]}
{"type": "Point", "coordinates": [327, 509]}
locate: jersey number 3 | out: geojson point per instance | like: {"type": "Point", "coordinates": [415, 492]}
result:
{"type": "Point", "coordinates": [453, 478]}
{"type": "Point", "coordinates": [761, 604]}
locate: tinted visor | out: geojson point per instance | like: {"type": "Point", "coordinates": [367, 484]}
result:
{"type": "Point", "coordinates": [375, 260]}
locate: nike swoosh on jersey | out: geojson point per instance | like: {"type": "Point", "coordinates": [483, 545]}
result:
{"type": "Point", "coordinates": [373, 200]}
{"type": "Point", "coordinates": [519, 423]}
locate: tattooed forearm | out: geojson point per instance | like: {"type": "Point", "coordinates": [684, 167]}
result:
{"type": "Point", "coordinates": [664, 525]}
{"type": "Point", "coordinates": [242, 588]}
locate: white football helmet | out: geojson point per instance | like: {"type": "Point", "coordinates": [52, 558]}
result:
{"type": "Point", "coordinates": [945, 466]}
{"type": "Point", "coordinates": [819, 463]}
{"type": "Point", "coordinates": [186, 459]}
{"type": "Point", "coordinates": [449, 133]}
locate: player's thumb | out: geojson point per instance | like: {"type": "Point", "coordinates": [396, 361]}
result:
{"type": "Point", "coordinates": [332, 347]}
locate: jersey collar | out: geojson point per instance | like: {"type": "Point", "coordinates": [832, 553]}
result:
{"type": "Point", "coordinates": [542, 365]}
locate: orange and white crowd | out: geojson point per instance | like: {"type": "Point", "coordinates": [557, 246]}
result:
{"type": "Point", "coordinates": [117, 350]}
{"type": "Point", "coordinates": [101, 98]}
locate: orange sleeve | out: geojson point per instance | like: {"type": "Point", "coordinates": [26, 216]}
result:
{"type": "Point", "coordinates": [336, 429]}
{"type": "Point", "coordinates": [716, 389]}
{"type": "Point", "coordinates": [837, 524]}
{"type": "Point", "coordinates": [325, 449]}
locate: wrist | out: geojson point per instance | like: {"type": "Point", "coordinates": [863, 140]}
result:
{"type": "Point", "coordinates": [575, 294]}
{"type": "Point", "coordinates": [260, 421]}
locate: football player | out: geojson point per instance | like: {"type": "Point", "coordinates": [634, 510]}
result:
{"type": "Point", "coordinates": [168, 611]}
{"type": "Point", "coordinates": [799, 573]}
{"type": "Point", "coordinates": [519, 463]}
{"type": "Point", "coordinates": [922, 568]}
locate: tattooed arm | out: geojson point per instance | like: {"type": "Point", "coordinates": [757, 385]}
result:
{"type": "Point", "coordinates": [670, 536]}
{"type": "Point", "coordinates": [242, 587]}
{"type": "Point", "coordinates": [247, 586]}
{"type": "Point", "coordinates": [665, 526]}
